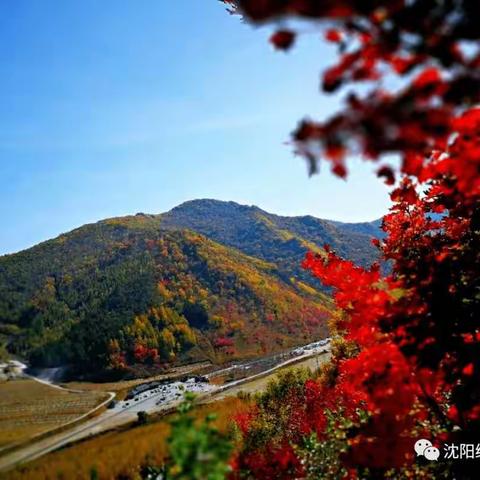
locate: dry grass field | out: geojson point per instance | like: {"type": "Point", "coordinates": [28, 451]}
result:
{"type": "Point", "coordinates": [29, 408]}
{"type": "Point", "coordinates": [117, 454]}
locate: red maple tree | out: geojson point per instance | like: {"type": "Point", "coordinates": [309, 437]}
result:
{"type": "Point", "coordinates": [414, 365]}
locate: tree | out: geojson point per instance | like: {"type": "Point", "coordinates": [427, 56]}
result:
{"type": "Point", "coordinates": [434, 41]}
{"type": "Point", "coordinates": [198, 451]}
{"type": "Point", "coordinates": [142, 417]}
{"type": "Point", "coordinates": [410, 362]}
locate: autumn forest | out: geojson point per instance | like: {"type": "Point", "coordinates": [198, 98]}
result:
{"type": "Point", "coordinates": [228, 342]}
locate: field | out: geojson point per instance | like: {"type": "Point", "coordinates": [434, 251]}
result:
{"type": "Point", "coordinates": [111, 455]}
{"type": "Point", "coordinates": [117, 453]}
{"type": "Point", "coordinates": [29, 408]}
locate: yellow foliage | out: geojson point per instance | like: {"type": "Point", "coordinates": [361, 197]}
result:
{"type": "Point", "coordinates": [164, 292]}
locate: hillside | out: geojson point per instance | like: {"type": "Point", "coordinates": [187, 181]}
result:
{"type": "Point", "coordinates": [207, 280]}
{"type": "Point", "coordinates": [281, 240]}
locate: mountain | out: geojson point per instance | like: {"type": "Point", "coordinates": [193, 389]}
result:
{"type": "Point", "coordinates": [207, 280]}
{"type": "Point", "coordinates": [281, 240]}
{"type": "Point", "coordinates": [371, 229]}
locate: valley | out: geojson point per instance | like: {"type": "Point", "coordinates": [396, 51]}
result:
{"type": "Point", "coordinates": [161, 397]}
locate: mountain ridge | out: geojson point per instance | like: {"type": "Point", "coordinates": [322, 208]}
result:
{"type": "Point", "coordinates": [373, 226]}
{"type": "Point", "coordinates": [273, 237]}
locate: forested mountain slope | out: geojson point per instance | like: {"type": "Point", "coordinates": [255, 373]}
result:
{"type": "Point", "coordinates": [282, 240]}
{"type": "Point", "coordinates": [207, 280]}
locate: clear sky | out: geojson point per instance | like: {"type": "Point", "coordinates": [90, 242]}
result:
{"type": "Point", "coordinates": [116, 107]}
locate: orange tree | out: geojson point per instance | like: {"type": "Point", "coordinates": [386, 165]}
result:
{"type": "Point", "coordinates": [409, 364]}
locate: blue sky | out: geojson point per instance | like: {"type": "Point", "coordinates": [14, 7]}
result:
{"type": "Point", "coordinates": [112, 108]}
